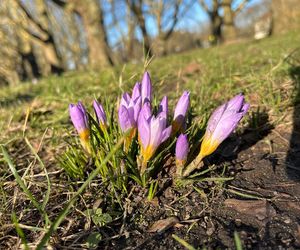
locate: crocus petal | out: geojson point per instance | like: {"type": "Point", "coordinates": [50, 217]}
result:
{"type": "Point", "coordinates": [78, 117]}
{"type": "Point", "coordinates": [235, 103]}
{"type": "Point", "coordinates": [125, 100]}
{"type": "Point", "coordinates": [215, 118]}
{"type": "Point", "coordinates": [163, 106]}
{"type": "Point", "coordinates": [100, 113]}
{"type": "Point", "coordinates": [137, 108]}
{"type": "Point", "coordinates": [182, 105]}
{"type": "Point", "coordinates": [156, 128]}
{"type": "Point", "coordinates": [144, 131]}
{"type": "Point", "coordinates": [226, 127]}
{"type": "Point", "coordinates": [136, 92]}
{"type": "Point", "coordinates": [146, 88]}
{"type": "Point", "coordinates": [180, 111]}
{"type": "Point", "coordinates": [245, 108]}
{"type": "Point", "coordinates": [182, 147]}
{"type": "Point", "coordinates": [83, 110]}
{"type": "Point", "coordinates": [166, 134]}
{"type": "Point", "coordinates": [126, 119]}
{"type": "Point", "coordinates": [145, 111]}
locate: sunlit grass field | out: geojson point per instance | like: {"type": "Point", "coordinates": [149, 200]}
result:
{"type": "Point", "coordinates": [259, 69]}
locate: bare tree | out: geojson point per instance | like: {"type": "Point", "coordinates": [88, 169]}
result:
{"type": "Point", "coordinates": [167, 15]}
{"type": "Point", "coordinates": [215, 18]}
{"type": "Point", "coordinates": [229, 31]}
{"type": "Point", "coordinates": [222, 26]}
{"type": "Point", "coordinates": [92, 17]}
{"type": "Point", "coordinates": [136, 6]}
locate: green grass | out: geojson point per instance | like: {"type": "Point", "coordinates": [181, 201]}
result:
{"type": "Point", "coordinates": [34, 120]}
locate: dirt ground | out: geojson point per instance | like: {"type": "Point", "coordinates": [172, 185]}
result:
{"type": "Point", "coordinates": [262, 203]}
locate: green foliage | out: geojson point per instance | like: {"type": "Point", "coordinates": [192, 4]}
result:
{"type": "Point", "coordinates": [93, 240]}
{"type": "Point", "coordinates": [74, 162]}
{"type": "Point", "coordinates": [185, 244]}
{"type": "Point", "coordinates": [98, 217]}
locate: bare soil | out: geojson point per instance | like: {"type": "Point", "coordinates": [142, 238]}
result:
{"type": "Point", "coordinates": [262, 203]}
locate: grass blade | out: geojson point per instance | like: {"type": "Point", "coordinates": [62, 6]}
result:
{"type": "Point", "coordinates": [47, 195]}
{"type": "Point", "coordinates": [22, 184]}
{"type": "Point", "coordinates": [183, 242]}
{"type": "Point", "coordinates": [19, 231]}
{"type": "Point", "coordinates": [237, 241]}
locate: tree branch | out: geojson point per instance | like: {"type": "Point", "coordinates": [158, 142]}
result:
{"type": "Point", "coordinates": [241, 6]}
{"type": "Point", "coordinates": [204, 6]}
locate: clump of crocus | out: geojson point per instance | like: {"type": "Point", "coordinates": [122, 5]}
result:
{"type": "Point", "coordinates": [181, 153]}
{"type": "Point", "coordinates": [180, 112]}
{"type": "Point", "coordinates": [220, 125]}
{"type": "Point", "coordinates": [129, 112]}
{"type": "Point", "coordinates": [79, 118]}
{"type": "Point", "coordinates": [153, 131]}
{"type": "Point", "coordinates": [100, 115]}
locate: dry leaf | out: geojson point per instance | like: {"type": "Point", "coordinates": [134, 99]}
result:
{"type": "Point", "coordinates": [162, 225]}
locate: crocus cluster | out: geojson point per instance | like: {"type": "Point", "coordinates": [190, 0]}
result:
{"type": "Point", "coordinates": [150, 126]}
{"type": "Point", "coordinates": [135, 112]}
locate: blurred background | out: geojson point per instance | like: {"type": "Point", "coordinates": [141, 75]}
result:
{"type": "Point", "coordinates": [42, 37]}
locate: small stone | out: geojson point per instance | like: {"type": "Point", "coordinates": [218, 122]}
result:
{"type": "Point", "coordinates": [238, 222]}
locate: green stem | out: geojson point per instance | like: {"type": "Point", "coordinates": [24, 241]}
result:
{"type": "Point", "coordinates": [195, 164]}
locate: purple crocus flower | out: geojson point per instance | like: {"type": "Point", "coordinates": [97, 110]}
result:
{"type": "Point", "coordinates": [136, 91]}
{"type": "Point", "coordinates": [181, 153]}
{"type": "Point", "coordinates": [182, 149]}
{"type": "Point", "coordinates": [180, 111]}
{"type": "Point", "coordinates": [80, 121]}
{"type": "Point", "coordinates": [152, 132]}
{"type": "Point", "coordinates": [146, 88]}
{"type": "Point", "coordinates": [129, 111]}
{"type": "Point", "coordinates": [221, 124]}
{"type": "Point", "coordinates": [100, 114]}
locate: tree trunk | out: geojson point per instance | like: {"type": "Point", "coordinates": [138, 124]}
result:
{"type": "Point", "coordinates": [92, 17]}
{"type": "Point", "coordinates": [216, 23]}
{"type": "Point", "coordinates": [136, 9]}
{"type": "Point", "coordinates": [229, 31]}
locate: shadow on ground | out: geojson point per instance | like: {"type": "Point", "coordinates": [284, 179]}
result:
{"type": "Point", "coordinates": [293, 155]}
{"type": "Point", "coordinates": [15, 100]}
